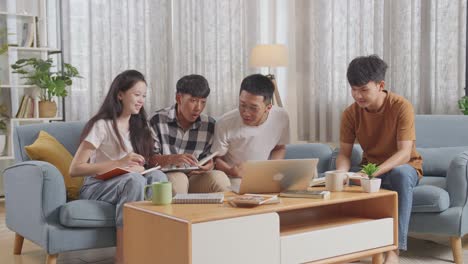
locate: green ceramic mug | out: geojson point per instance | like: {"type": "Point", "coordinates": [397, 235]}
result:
{"type": "Point", "coordinates": [162, 192]}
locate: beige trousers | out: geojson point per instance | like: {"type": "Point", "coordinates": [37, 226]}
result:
{"type": "Point", "coordinates": [211, 181]}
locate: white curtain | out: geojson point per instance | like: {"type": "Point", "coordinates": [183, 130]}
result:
{"type": "Point", "coordinates": [103, 38]}
{"type": "Point", "coordinates": [423, 42]}
{"type": "Point", "coordinates": [164, 40]}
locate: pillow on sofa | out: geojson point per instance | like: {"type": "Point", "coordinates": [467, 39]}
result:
{"type": "Point", "coordinates": [436, 161]}
{"type": "Point", "coordinates": [356, 157]}
{"type": "Point", "coordinates": [47, 148]}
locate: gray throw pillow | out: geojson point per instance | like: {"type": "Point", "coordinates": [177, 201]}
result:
{"type": "Point", "coordinates": [436, 161]}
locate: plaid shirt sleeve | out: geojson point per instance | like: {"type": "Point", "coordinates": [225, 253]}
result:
{"type": "Point", "coordinates": [155, 134]}
{"type": "Point", "coordinates": [209, 141]}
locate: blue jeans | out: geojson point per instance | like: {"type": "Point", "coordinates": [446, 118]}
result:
{"type": "Point", "coordinates": [120, 190]}
{"type": "Point", "coordinates": [402, 179]}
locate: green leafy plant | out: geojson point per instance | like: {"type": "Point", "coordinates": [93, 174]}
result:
{"type": "Point", "coordinates": [370, 169]}
{"type": "Point", "coordinates": [39, 72]}
{"type": "Point", "coordinates": [3, 46]}
{"type": "Point", "coordinates": [3, 119]}
{"type": "Point", "coordinates": [3, 126]}
{"type": "Point", "coordinates": [463, 105]}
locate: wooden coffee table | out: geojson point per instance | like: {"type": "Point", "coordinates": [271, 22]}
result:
{"type": "Point", "coordinates": [348, 226]}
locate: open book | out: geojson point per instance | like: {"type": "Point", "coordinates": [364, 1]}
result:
{"type": "Point", "coordinates": [188, 168]}
{"type": "Point", "coordinates": [120, 171]}
{"type": "Point", "coordinates": [252, 200]}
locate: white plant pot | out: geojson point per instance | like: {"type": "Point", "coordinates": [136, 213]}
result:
{"type": "Point", "coordinates": [371, 186]}
{"type": "Point", "coordinates": [2, 144]}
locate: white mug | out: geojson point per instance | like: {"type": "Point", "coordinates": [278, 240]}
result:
{"type": "Point", "coordinates": [336, 180]}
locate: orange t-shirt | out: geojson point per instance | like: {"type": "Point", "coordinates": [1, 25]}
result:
{"type": "Point", "coordinates": [379, 132]}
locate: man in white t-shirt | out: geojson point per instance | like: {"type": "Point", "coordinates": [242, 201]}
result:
{"type": "Point", "coordinates": [257, 130]}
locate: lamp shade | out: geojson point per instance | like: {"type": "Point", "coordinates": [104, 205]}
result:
{"type": "Point", "coordinates": [273, 55]}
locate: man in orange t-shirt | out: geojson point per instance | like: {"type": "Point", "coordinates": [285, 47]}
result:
{"type": "Point", "coordinates": [383, 124]}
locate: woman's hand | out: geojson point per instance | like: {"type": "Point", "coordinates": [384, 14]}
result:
{"type": "Point", "coordinates": [135, 168]}
{"type": "Point", "coordinates": [132, 159]}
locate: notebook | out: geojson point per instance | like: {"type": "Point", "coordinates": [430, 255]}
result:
{"type": "Point", "coordinates": [187, 167]}
{"type": "Point", "coordinates": [198, 198]}
{"type": "Point", "coordinates": [120, 171]}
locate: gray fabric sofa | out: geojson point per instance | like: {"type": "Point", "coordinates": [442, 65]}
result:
{"type": "Point", "coordinates": [440, 204]}
{"type": "Point", "coordinates": [35, 200]}
{"type": "Point", "coordinates": [36, 207]}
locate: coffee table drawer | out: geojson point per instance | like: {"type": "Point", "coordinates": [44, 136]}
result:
{"type": "Point", "coordinates": [353, 235]}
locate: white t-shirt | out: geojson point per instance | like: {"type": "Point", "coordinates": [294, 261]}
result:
{"type": "Point", "coordinates": [238, 142]}
{"type": "Point", "coordinates": [106, 142]}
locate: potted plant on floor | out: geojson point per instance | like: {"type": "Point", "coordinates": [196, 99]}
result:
{"type": "Point", "coordinates": [372, 184]}
{"type": "Point", "coordinates": [39, 72]}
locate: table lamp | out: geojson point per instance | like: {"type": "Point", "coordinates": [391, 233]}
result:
{"type": "Point", "coordinates": [270, 55]}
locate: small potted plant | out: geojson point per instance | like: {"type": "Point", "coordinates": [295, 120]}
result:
{"type": "Point", "coordinates": [372, 184]}
{"type": "Point", "coordinates": [39, 72]}
{"type": "Point", "coordinates": [463, 105]}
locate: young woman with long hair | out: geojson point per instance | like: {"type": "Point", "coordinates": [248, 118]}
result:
{"type": "Point", "coordinates": [117, 136]}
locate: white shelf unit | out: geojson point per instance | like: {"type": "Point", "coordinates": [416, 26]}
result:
{"type": "Point", "coordinates": [32, 16]}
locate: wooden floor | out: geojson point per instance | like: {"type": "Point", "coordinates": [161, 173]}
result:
{"type": "Point", "coordinates": [33, 254]}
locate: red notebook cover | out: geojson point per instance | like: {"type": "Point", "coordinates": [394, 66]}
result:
{"type": "Point", "coordinates": [111, 174]}
{"type": "Point", "coordinates": [119, 171]}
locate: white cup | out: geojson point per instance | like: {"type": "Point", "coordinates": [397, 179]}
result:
{"type": "Point", "coordinates": [336, 180]}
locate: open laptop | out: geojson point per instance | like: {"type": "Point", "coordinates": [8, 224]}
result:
{"type": "Point", "coordinates": [274, 176]}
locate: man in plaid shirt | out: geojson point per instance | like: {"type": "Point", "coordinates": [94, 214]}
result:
{"type": "Point", "coordinates": [183, 135]}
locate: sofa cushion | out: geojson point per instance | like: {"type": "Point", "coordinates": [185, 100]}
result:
{"type": "Point", "coordinates": [430, 199]}
{"type": "Point", "coordinates": [309, 151]}
{"type": "Point", "coordinates": [47, 148]}
{"type": "Point", "coordinates": [437, 160]}
{"type": "Point", "coordinates": [87, 213]}
{"type": "Point", "coordinates": [437, 181]}
{"type": "Point", "coordinates": [356, 157]}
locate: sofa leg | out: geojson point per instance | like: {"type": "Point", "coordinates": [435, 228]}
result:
{"type": "Point", "coordinates": [51, 259]}
{"type": "Point", "coordinates": [457, 249]}
{"type": "Point", "coordinates": [18, 244]}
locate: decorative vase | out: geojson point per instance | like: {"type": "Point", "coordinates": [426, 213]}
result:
{"type": "Point", "coordinates": [371, 185]}
{"type": "Point", "coordinates": [2, 144]}
{"type": "Point", "coordinates": [47, 109]}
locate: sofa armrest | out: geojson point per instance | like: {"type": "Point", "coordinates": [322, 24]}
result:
{"type": "Point", "coordinates": [457, 180]}
{"type": "Point", "coordinates": [34, 192]}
